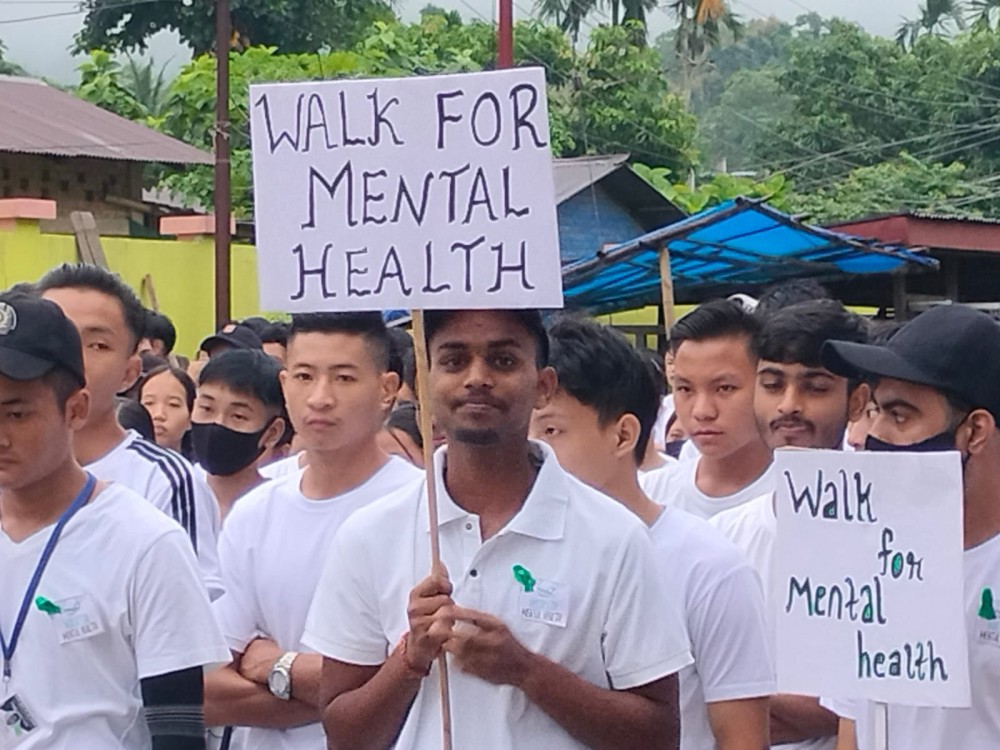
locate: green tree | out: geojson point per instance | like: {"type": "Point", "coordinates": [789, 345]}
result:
{"type": "Point", "coordinates": [905, 183]}
{"type": "Point", "coordinates": [6, 66]}
{"type": "Point", "coordinates": [288, 25]}
{"type": "Point", "coordinates": [104, 82]}
{"type": "Point", "coordinates": [937, 18]}
{"type": "Point", "coordinates": [716, 189]}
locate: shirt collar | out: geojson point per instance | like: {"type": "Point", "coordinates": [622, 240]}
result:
{"type": "Point", "coordinates": [543, 515]}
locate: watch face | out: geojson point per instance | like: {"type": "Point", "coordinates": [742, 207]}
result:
{"type": "Point", "coordinates": [277, 682]}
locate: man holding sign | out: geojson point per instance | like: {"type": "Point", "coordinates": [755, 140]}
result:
{"type": "Point", "coordinates": [550, 609]}
{"type": "Point", "coordinates": [800, 403]}
{"type": "Point", "coordinates": [938, 389]}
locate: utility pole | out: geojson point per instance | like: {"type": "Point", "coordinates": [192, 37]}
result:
{"type": "Point", "coordinates": [505, 34]}
{"type": "Point", "coordinates": [223, 197]}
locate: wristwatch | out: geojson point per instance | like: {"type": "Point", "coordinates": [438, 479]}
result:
{"type": "Point", "coordinates": [279, 681]}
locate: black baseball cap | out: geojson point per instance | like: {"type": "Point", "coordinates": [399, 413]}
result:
{"type": "Point", "coordinates": [951, 348]}
{"type": "Point", "coordinates": [36, 338]}
{"type": "Point", "coordinates": [236, 335]}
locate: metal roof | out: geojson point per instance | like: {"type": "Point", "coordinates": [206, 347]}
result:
{"type": "Point", "coordinates": [733, 246]}
{"type": "Point", "coordinates": [36, 118]}
{"type": "Point", "coordinates": [575, 174]}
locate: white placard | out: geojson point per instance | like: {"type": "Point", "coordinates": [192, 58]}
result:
{"type": "Point", "coordinates": [868, 584]}
{"type": "Point", "coordinates": [428, 192]}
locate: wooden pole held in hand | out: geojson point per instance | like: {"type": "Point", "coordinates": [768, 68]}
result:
{"type": "Point", "coordinates": [427, 437]}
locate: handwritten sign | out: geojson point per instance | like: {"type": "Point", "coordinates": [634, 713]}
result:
{"type": "Point", "coordinates": [420, 193]}
{"type": "Point", "coordinates": [869, 577]}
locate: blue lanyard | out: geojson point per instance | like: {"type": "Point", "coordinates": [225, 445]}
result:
{"type": "Point", "coordinates": [43, 561]}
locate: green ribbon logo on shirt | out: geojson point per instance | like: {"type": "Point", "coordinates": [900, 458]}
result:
{"type": "Point", "coordinates": [986, 610]}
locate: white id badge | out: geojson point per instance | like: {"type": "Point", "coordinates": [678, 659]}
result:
{"type": "Point", "coordinates": [17, 722]}
{"type": "Point", "coordinates": [77, 619]}
{"type": "Point", "coordinates": [547, 602]}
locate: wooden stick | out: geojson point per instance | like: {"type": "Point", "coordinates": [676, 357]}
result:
{"type": "Point", "coordinates": [427, 436]}
{"type": "Point", "coordinates": [666, 289]}
{"type": "Point", "coordinates": [881, 726]}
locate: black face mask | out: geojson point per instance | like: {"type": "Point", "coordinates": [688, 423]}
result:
{"type": "Point", "coordinates": [222, 451]}
{"type": "Point", "coordinates": [944, 441]}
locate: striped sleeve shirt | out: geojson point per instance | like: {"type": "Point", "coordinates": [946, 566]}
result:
{"type": "Point", "coordinates": [169, 482]}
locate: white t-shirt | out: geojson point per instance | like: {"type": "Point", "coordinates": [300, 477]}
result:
{"type": "Point", "coordinates": [283, 468]}
{"type": "Point", "coordinates": [683, 493]}
{"type": "Point", "coordinates": [655, 481]}
{"type": "Point", "coordinates": [597, 609]}
{"type": "Point", "coordinates": [974, 728]}
{"type": "Point", "coordinates": [689, 451]}
{"type": "Point", "coordinates": [724, 611]}
{"type": "Point", "coordinates": [169, 482]}
{"type": "Point", "coordinates": [663, 416]}
{"type": "Point", "coordinates": [272, 550]}
{"type": "Point", "coordinates": [123, 570]}
{"type": "Point", "coordinates": [753, 528]}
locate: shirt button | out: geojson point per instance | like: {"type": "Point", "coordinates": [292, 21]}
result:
{"type": "Point", "coordinates": [468, 527]}
{"type": "Point", "coordinates": [473, 572]}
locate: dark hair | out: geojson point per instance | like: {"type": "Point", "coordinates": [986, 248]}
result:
{"type": "Point", "coordinates": [880, 332]}
{"type": "Point", "coordinates": [63, 384]}
{"type": "Point", "coordinates": [151, 361]}
{"type": "Point", "coordinates": [716, 319]}
{"type": "Point", "coordinates": [788, 293]}
{"type": "Point", "coordinates": [179, 375]}
{"type": "Point", "coordinates": [247, 371]}
{"type": "Point", "coordinates": [275, 333]}
{"type": "Point", "coordinates": [404, 417]}
{"type": "Point", "coordinates": [367, 325]}
{"type": "Point", "coordinates": [402, 360]}
{"type": "Point", "coordinates": [795, 334]}
{"type": "Point", "coordinates": [656, 370]}
{"type": "Point", "coordinates": [159, 327]}
{"type": "Point", "coordinates": [599, 368]}
{"type": "Point", "coordinates": [530, 320]}
{"type": "Point", "coordinates": [134, 416]}
{"type": "Point", "coordinates": [86, 276]}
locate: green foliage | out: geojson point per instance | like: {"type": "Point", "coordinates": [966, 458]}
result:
{"type": "Point", "coordinates": [103, 82]}
{"type": "Point", "coordinates": [288, 25]}
{"type": "Point", "coordinates": [620, 102]}
{"type": "Point", "coordinates": [718, 189]}
{"type": "Point", "coordinates": [7, 68]}
{"type": "Point", "coordinates": [905, 183]}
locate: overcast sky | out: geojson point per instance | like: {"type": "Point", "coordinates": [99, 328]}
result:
{"type": "Point", "coordinates": [41, 44]}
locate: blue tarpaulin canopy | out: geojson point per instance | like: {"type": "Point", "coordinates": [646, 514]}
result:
{"type": "Point", "coordinates": [738, 244]}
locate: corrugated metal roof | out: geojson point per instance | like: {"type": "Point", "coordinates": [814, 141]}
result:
{"type": "Point", "coordinates": [573, 175]}
{"type": "Point", "coordinates": [38, 119]}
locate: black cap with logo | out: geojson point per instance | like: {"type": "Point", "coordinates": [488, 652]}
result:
{"type": "Point", "coordinates": [951, 348]}
{"type": "Point", "coordinates": [35, 338]}
{"type": "Point", "coordinates": [235, 335]}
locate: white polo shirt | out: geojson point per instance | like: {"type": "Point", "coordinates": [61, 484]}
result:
{"type": "Point", "coordinates": [168, 481]}
{"type": "Point", "coordinates": [128, 573]}
{"type": "Point", "coordinates": [726, 622]}
{"type": "Point", "coordinates": [974, 728]}
{"type": "Point", "coordinates": [595, 573]}
{"type": "Point", "coordinates": [683, 493]}
{"type": "Point", "coordinates": [753, 528]}
{"type": "Point", "coordinates": [272, 551]}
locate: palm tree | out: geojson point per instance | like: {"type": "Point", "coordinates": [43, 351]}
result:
{"type": "Point", "coordinates": [569, 15]}
{"type": "Point", "coordinates": [147, 85]}
{"type": "Point", "coordinates": [985, 12]}
{"type": "Point", "coordinates": [937, 17]}
{"type": "Point", "coordinates": [700, 25]}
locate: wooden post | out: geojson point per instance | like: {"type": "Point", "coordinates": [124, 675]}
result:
{"type": "Point", "coordinates": [88, 241]}
{"type": "Point", "coordinates": [881, 726]}
{"type": "Point", "coordinates": [666, 289]}
{"type": "Point", "coordinates": [427, 437]}
{"type": "Point", "coordinates": [222, 195]}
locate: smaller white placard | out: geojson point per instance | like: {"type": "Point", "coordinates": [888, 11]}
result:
{"type": "Point", "coordinates": [868, 584]}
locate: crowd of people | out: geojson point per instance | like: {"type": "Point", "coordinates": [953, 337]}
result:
{"type": "Point", "coordinates": [234, 551]}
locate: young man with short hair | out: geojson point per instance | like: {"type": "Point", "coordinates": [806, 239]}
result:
{"type": "Point", "coordinates": [111, 321]}
{"type": "Point", "coordinates": [598, 423]}
{"type": "Point", "coordinates": [938, 388]}
{"type": "Point", "coordinates": [337, 389]}
{"type": "Point", "coordinates": [547, 602]}
{"type": "Point", "coordinates": [159, 336]}
{"type": "Point", "coordinates": [239, 414]}
{"type": "Point", "coordinates": [800, 403]}
{"type": "Point", "coordinates": [714, 371]}
{"type": "Point", "coordinates": [104, 624]}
